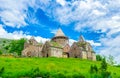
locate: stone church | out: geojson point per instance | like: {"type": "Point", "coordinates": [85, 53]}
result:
{"type": "Point", "coordinates": [59, 46]}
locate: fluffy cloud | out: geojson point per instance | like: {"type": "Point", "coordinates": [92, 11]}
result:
{"type": "Point", "coordinates": [14, 13]}
{"type": "Point", "coordinates": [61, 2]}
{"type": "Point", "coordinates": [97, 15]}
{"type": "Point", "coordinates": [18, 35]}
{"type": "Point", "coordinates": [111, 46]}
{"type": "Point", "coordinates": [95, 44]}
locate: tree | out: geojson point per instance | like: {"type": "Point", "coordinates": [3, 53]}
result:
{"type": "Point", "coordinates": [16, 46]}
{"type": "Point", "coordinates": [91, 69]}
{"type": "Point", "coordinates": [99, 58]}
{"type": "Point", "coordinates": [95, 68]}
{"type": "Point", "coordinates": [104, 64]}
{"type": "Point", "coordinates": [111, 60]}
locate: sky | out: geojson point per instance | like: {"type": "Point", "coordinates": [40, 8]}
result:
{"type": "Point", "coordinates": [97, 20]}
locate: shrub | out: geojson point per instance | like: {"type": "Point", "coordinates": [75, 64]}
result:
{"type": "Point", "coordinates": [78, 75]}
{"type": "Point", "coordinates": [2, 70]}
{"type": "Point", "coordinates": [99, 58]}
{"type": "Point", "coordinates": [103, 65]}
{"type": "Point", "coordinates": [106, 74]}
{"type": "Point", "coordinates": [93, 69]}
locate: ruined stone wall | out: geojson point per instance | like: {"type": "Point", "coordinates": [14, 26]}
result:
{"type": "Point", "coordinates": [84, 55]}
{"type": "Point", "coordinates": [75, 51]}
{"type": "Point", "coordinates": [93, 56]}
{"type": "Point", "coordinates": [32, 51]}
{"type": "Point", "coordinates": [46, 49]}
{"type": "Point", "coordinates": [55, 52]}
{"type": "Point", "coordinates": [66, 48]}
{"type": "Point", "coordinates": [26, 44]}
{"type": "Point", "coordinates": [89, 55]}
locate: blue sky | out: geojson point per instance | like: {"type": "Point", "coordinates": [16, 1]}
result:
{"type": "Point", "coordinates": [97, 20]}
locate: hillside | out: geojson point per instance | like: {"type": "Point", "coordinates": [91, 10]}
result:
{"type": "Point", "coordinates": [50, 68]}
{"type": "Point", "coordinates": [4, 43]}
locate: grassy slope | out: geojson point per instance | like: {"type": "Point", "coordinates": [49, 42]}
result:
{"type": "Point", "coordinates": [20, 66]}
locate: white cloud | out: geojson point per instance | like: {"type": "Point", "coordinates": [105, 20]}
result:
{"type": "Point", "coordinates": [71, 41]}
{"type": "Point", "coordinates": [53, 31]}
{"type": "Point", "coordinates": [95, 44]}
{"type": "Point", "coordinates": [98, 13]}
{"type": "Point", "coordinates": [18, 35]}
{"type": "Point", "coordinates": [61, 2]}
{"type": "Point", "coordinates": [2, 31]}
{"type": "Point", "coordinates": [111, 46]}
{"type": "Point", "coordinates": [41, 39]}
{"type": "Point", "coordinates": [14, 13]}
{"type": "Point", "coordinates": [13, 18]}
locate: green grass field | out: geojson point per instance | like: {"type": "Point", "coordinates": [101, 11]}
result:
{"type": "Point", "coordinates": [49, 68]}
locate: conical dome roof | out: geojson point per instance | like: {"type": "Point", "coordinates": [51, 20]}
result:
{"type": "Point", "coordinates": [59, 33]}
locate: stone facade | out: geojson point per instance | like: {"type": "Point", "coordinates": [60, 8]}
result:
{"type": "Point", "coordinates": [66, 50]}
{"type": "Point", "coordinates": [82, 49]}
{"type": "Point", "coordinates": [59, 46]}
{"type": "Point", "coordinates": [52, 49]}
{"type": "Point", "coordinates": [32, 48]}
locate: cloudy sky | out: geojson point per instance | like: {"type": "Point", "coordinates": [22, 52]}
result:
{"type": "Point", "coordinates": [97, 20]}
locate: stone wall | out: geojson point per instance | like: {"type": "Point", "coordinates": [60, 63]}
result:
{"type": "Point", "coordinates": [55, 52]}
{"type": "Point", "coordinates": [75, 51]}
{"type": "Point", "coordinates": [84, 55]}
{"type": "Point", "coordinates": [93, 56]}
{"type": "Point", "coordinates": [61, 40]}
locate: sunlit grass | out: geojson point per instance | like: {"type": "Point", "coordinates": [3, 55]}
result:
{"type": "Point", "coordinates": [20, 67]}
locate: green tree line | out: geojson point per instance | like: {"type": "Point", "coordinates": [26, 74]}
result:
{"type": "Point", "coordinates": [15, 46]}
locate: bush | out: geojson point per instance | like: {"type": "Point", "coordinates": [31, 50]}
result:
{"type": "Point", "coordinates": [2, 70]}
{"type": "Point", "coordinates": [106, 74]}
{"type": "Point", "coordinates": [99, 58]}
{"type": "Point", "coordinates": [78, 75]}
{"type": "Point", "coordinates": [93, 69]}
{"type": "Point", "coordinates": [103, 65]}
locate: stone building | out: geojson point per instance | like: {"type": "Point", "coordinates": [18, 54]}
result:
{"type": "Point", "coordinates": [59, 46]}
{"type": "Point", "coordinates": [55, 47]}
{"type": "Point", "coordinates": [32, 48]}
{"type": "Point", "coordinates": [66, 50]}
{"type": "Point", "coordinates": [52, 49]}
{"type": "Point", "coordinates": [60, 38]}
{"type": "Point", "coordinates": [82, 49]}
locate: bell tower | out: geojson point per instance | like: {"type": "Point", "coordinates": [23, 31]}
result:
{"type": "Point", "coordinates": [60, 38]}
